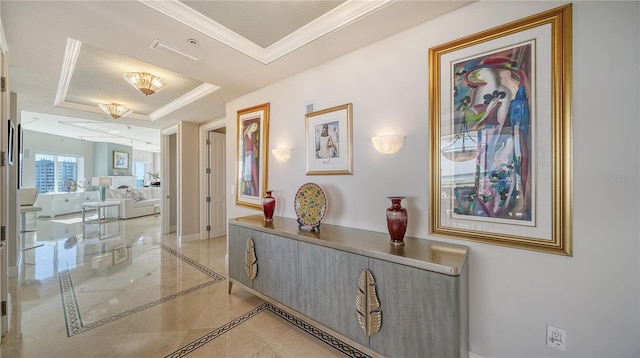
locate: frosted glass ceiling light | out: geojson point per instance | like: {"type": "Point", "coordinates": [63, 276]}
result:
{"type": "Point", "coordinates": [145, 82]}
{"type": "Point", "coordinates": [388, 144]}
{"type": "Point", "coordinates": [115, 110]}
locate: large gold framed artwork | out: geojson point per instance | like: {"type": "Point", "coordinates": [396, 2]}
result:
{"type": "Point", "coordinates": [501, 139]}
{"type": "Point", "coordinates": [253, 143]}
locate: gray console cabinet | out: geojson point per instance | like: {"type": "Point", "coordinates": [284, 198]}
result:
{"type": "Point", "coordinates": [422, 288]}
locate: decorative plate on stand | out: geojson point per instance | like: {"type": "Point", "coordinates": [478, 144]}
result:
{"type": "Point", "coordinates": [310, 204]}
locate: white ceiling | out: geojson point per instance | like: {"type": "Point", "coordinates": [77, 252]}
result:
{"type": "Point", "coordinates": [66, 57]}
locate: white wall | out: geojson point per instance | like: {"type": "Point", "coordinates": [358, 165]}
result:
{"type": "Point", "coordinates": [514, 293]}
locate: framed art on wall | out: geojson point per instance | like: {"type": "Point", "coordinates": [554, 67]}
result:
{"type": "Point", "coordinates": [19, 156]}
{"type": "Point", "coordinates": [329, 140]}
{"type": "Point", "coordinates": [120, 160]}
{"type": "Point", "coordinates": [253, 142]}
{"type": "Point", "coordinates": [10, 136]}
{"type": "Point", "coordinates": [501, 135]}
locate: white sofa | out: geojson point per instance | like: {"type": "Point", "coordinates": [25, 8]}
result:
{"type": "Point", "coordinates": [135, 202]}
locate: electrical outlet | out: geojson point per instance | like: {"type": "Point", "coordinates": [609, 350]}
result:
{"type": "Point", "coordinates": [557, 338]}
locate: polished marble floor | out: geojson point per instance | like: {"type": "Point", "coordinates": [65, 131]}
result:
{"type": "Point", "coordinates": [122, 289]}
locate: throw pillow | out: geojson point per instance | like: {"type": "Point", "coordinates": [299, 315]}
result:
{"type": "Point", "coordinates": [132, 195]}
{"type": "Point", "coordinates": [140, 194]}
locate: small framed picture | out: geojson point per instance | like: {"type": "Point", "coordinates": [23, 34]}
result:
{"type": "Point", "coordinates": [328, 141]}
{"type": "Point", "coordinates": [120, 160]}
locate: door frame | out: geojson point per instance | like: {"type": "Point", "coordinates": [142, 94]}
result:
{"type": "Point", "coordinates": [4, 189]}
{"type": "Point", "coordinates": [165, 157]}
{"type": "Point", "coordinates": [203, 130]}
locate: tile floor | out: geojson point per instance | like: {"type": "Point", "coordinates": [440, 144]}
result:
{"type": "Point", "coordinates": [128, 291]}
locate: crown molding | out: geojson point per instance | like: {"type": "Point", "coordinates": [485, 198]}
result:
{"type": "Point", "coordinates": [3, 40]}
{"type": "Point", "coordinates": [191, 96]}
{"type": "Point", "coordinates": [71, 54]}
{"type": "Point", "coordinates": [332, 20]}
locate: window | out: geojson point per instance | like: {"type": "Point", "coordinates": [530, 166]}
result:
{"type": "Point", "coordinates": [140, 170]}
{"type": "Point", "coordinates": [53, 170]}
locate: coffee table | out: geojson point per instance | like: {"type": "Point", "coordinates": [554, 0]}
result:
{"type": "Point", "coordinates": [100, 208]}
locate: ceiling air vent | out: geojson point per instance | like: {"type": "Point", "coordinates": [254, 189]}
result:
{"type": "Point", "coordinates": [172, 50]}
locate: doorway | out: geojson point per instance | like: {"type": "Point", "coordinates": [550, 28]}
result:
{"type": "Point", "coordinates": [169, 204]}
{"type": "Point", "coordinates": [215, 200]}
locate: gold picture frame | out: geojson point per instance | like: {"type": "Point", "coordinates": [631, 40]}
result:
{"type": "Point", "coordinates": [120, 160]}
{"type": "Point", "coordinates": [329, 141]}
{"type": "Point", "coordinates": [500, 122]}
{"type": "Point", "coordinates": [252, 158]}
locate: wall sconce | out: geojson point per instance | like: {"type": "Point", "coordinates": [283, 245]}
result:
{"type": "Point", "coordinates": [281, 154]}
{"type": "Point", "coordinates": [388, 144]}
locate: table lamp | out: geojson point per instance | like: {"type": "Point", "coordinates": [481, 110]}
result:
{"type": "Point", "coordinates": [103, 183]}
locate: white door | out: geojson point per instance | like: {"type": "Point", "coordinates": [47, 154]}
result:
{"type": "Point", "coordinates": [4, 200]}
{"type": "Point", "coordinates": [216, 208]}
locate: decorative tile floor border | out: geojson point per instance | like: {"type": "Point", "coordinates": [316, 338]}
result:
{"type": "Point", "coordinates": [72, 316]}
{"type": "Point", "coordinates": [74, 321]}
{"type": "Point", "coordinates": [207, 271]}
{"type": "Point", "coordinates": [184, 350]}
{"type": "Point", "coordinates": [314, 331]}
{"type": "Point", "coordinates": [327, 338]}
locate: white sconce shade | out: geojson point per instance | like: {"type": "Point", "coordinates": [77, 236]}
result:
{"type": "Point", "coordinates": [281, 154]}
{"type": "Point", "coordinates": [388, 144]}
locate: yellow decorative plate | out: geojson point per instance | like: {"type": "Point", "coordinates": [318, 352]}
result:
{"type": "Point", "coordinates": [310, 204]}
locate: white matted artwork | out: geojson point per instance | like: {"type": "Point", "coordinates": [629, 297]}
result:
{"type": "Point", "coordinates": [329, 141]}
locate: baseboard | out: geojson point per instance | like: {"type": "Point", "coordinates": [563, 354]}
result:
{"type": "Point", "coordinates": [191, 237]}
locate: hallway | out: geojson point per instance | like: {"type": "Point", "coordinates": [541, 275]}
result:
{"type": "Point", "coordinates": [125, 290]}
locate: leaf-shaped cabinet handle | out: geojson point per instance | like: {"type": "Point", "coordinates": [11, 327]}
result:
{"type": "Point", "coordinates": [368, 305]}
{"type": "Point", "coordinates": [250, 260]}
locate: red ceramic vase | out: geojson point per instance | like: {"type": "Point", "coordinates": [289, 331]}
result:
{"type": "Point", "coordinates": [396, 221]}
{"type": "Point", "coordinates": [268, 205]}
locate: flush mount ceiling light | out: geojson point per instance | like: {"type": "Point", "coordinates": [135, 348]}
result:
{"type": "Point", "coordinates": [145, 82]}
{"type": "Point", "coordinates": [115, 110]}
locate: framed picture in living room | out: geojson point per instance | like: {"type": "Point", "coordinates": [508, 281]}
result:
{"type": "Point", "coordinates": [120, 160]}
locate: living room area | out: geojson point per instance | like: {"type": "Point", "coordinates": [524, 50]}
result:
{"type": "Point", "coordinates": [61, 178]}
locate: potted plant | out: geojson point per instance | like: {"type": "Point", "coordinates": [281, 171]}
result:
{"type": "Point", "coordinates": [71, 186]}
{"type": "Point", "coordinates": [154, 179]}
